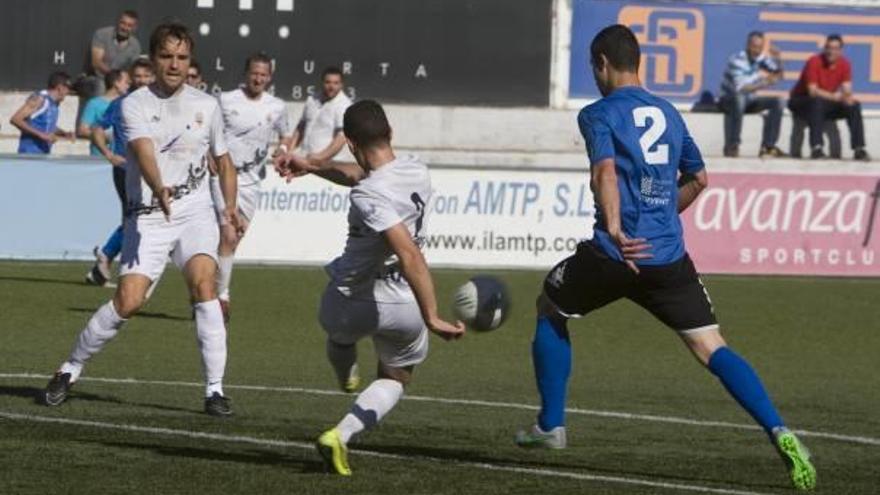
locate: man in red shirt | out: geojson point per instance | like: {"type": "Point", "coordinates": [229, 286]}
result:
{"type": "Point", "coordinates": [824, 91]}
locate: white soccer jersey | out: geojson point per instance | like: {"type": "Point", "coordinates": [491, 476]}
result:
{"type": "Point", "coordinates": [322, 121]}
{"type": "Point", "coordinates": [182, 128]}
{"type": "Point", "coordinates": [251, 126]}
{"type": "Point", "coordinates": [397, 192]}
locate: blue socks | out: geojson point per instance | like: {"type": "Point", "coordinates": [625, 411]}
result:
{"type": "Point", "coordinates": [743, 384]}
{"type": "Point", "coordinates": [114, 244]}
{"type": "Point", "coordinates": [551, 354]}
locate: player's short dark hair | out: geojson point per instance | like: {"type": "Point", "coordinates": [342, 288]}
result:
{"type": "Point", "coordinates": [755, 34]}
{"type": "Point", "coordinates": [619, 45]}
{"type": "Point", "coordinates": [168, 30]}
{"type": "Point", "coordinates": [332, 70]}
{"type": "Point", "coordinates": [130, 14]}
{"type": "Point", "coordinates": [365, 124]}
{"type": "Point", "coordinates": [194, 64]}
{"type": "Point", "coordinates": [58, 78]}
{"type": "Point", "coordinates": [259, 57]}
{"type": "Point", "coordinates": [834, 37]}
{"type": "Point", "coordinates": [140, 63]}
{"type": "Point", "coordinates": [112, 78]}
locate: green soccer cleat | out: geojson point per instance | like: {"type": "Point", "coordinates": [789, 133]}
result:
{"type": "Point", "coordinates": [352, 382]}
{"type": "Point", "coordinates": [797, 459]}
{"type": "Point", "coordinates": [334, 452]}
{"type": "Point", "coordinates": [536, 438]}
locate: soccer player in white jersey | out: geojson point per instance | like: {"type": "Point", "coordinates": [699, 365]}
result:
{"type": "Point", "coordinates": [380, 287]}
{"type": "Point", "coordinates": [319, 131]}
{"type": "Point", "coordinates": [252, 119]}
{"type": "Point", "coordinates": [170, 127]}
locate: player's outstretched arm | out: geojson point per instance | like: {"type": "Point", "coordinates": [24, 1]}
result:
{"type": "Point", "coordinates": [415, 271]}
{"type": "Point", "coordinates": [343, 173]}
{"type": "Point", "coordinates": [604, 184]}
{"type": "Point", "coordinates": [689, 187]}
{"type": "Point", "coordinates": [145, 155]}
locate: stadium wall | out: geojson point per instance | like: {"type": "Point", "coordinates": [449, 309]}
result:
{"type": "Point", "coordinates": [756, 218]}
{"type": "Point", "coordinates": [448, 52]}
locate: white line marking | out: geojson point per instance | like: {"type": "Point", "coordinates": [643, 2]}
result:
{"type": "Point", "coordinates": [267, 442]}
{"type": "Point", "coordinates": [858, 439]}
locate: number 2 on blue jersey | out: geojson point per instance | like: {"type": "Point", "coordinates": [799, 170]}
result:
{"type": "Point", "coordinates": [641, 116]}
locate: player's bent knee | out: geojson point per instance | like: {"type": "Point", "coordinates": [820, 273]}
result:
{"type": "Point", "coordinates": [704, 343]}
{"type": "Point", "coordinates": [547, 309]}
{"type": "Point", "coordinates": [402, 375]}
{"type": "Point", "coordinates": [130, 297]}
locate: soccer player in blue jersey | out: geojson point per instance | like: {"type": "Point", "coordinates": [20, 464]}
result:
{"type": "Point", "coordinates": [141, 73]}
{"type": "Point", "coordinates": [645, 170]}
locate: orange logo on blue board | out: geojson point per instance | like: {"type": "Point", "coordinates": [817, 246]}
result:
{"type": "Point", "coordinates": [672, 47]}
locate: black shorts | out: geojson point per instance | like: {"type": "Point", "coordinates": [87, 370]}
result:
{"type": "Point", "coordinates": [589, 279]}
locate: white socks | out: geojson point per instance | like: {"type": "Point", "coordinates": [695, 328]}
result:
{"type": "Point", "coordinates": [211, 333]}
{"type": "Point", "coordinates": [102, 327]}
{"type": "Point", "coordinates": [370, 407]}
{"type": "Point", "coordinates": [224, 267]}
{"type": "Point", "coordinates": [343, 358]}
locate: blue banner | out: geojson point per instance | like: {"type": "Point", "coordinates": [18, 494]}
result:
{"type": "Point", "coordinates": [55, 208]}
{"type": "Point", "coordinates": [685, 46]}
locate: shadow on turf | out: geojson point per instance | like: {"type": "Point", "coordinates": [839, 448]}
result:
{"type": "Point", "coordinates": [473, 457]}
{"type": "Point", "coordinates": [140, 314]}
{"type": "Point", "coordinates": [36, 394]}
{"type": "Point", "coordinates": [256, 457]}
{"type": "Point", "coordinates": [42, 280]}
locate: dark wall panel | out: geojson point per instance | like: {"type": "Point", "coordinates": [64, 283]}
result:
{"type": "Point", "coordinates": [468, 52]}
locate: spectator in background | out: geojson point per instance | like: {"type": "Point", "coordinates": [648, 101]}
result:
{"type": "Point", "coordinates": [194, 76]}
{"type": "Point", "coordinates": [824, 91]}
{"type": "Point", "coordinates": [37, 119]}
{"type": "Point", "coordinates": [747, 72]}
{"type": "Point", "coordinates": [111, 48]}
{"type": "Point", "coordinates": [117, 83]}
{"type": "Point", "coordinates": [319, 132]}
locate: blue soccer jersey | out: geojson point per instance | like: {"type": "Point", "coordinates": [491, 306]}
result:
{"type": "Point", "coordinates": [649, 143]}
{"type": "Point", "coordinates": [112, 119]}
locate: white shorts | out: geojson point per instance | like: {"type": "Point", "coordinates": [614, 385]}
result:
{"type": "Point", "coordinates": [398, 331]}
{"type": "Point", "coordinates": [248, 199]}
{"type": "Point", "coordinates": [149, 240]}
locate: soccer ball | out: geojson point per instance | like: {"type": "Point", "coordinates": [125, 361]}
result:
{"type": "Point", "coordinates": [482, 303]}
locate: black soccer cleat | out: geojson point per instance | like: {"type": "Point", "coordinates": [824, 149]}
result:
{"type": "Point", "coordinates": [217, 405]}
{"type": "Point", "coordinates": [57, 389]}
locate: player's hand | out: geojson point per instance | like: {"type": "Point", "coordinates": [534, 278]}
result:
{"type": "Point", "coordinates": [117, 160]}
{"type": "Point", "coordinates": [632, 249]}
{"type": "Point", "coordinates": [446, 330]}
{"type": "Point", "coordinates": [50, 138]}
{"type": "Point", "coordinates": [164, 198]}
{"type": "Point", "coordinates": [230, 215]}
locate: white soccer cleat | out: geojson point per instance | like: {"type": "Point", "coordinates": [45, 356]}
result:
{"type": "Point", "coordinates": [536, 438]}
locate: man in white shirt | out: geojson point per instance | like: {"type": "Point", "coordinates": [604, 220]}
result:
{"type": "Point", "coordinates": [380, 287]}
{"type": "Point", "coordinates": [169, 127]}
{"type": "Point", "coordinates": [252, 119]}
{"type": "Point", "coordinates": [319, 132]}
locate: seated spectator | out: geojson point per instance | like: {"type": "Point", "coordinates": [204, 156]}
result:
{"type": "Point", "coordinates": [824, 91]}
{"type": "Point", "coordinates": [111, 48]}
{"type": "Point", "coordinates": [747, 72]}
{"type": "Point", "coordinates": [117, 83]}
{"type": "Point", "coordinates": [37, 119]}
